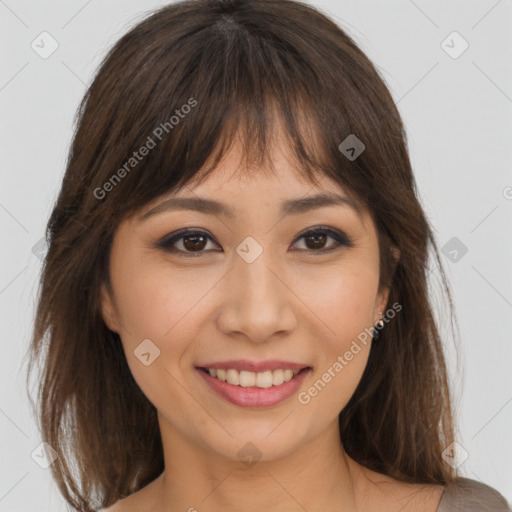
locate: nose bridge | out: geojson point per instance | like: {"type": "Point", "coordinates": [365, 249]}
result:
{"type": "Point", "coordinates": [256, 280]}
{"type": "Point", "coordinates": [259, 302]}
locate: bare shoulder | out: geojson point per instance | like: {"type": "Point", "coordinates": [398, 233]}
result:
{"type": "Point", "coordinates": [383, 493]}
{"type": "Point", "coordinates": [123, 505]}
{"type": "Point", "coordinates": [408, 497]}
{"type": "Point", "coordinates": [143, 499]}
{"type": "Point", "coordinates": [131, 503]}
{"type": "Point", "coordinates": [114, 508]}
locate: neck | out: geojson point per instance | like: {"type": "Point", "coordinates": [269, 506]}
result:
{"type": "Point", "coordinates": [317, 476]}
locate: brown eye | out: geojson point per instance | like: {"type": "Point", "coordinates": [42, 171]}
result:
{"type": "Point", "coordinates": [316, 239]}
{"type": "Point", "coordinates": [194, 242]}
{"type": "Point", "coordinates": [186, 243]}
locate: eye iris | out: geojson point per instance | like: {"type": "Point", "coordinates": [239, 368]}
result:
{"type": "Point", "coordinates": [316, 243]}
{"type": "Point", "coordinates": [194, 245]}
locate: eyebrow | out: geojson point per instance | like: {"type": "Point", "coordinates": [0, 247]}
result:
{"type": "Point", "coordinates": [288, 207]}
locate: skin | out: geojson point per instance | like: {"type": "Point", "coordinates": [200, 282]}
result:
{"type": "Point", "coordinates": [291, 304]}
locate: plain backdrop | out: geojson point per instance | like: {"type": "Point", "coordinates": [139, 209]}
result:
{"type": "Point", "coordinates": [447, 65]}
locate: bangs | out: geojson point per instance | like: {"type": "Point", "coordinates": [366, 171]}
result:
{"type": "Point", "coordinates": [197, 93]}
{"type": "Point", "coordinates": [259, 131]}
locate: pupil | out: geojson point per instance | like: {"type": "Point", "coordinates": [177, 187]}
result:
{"type": "Point", "coordinates": [315, 237]}
{"type": "Point", "coordinates": [194, 244]}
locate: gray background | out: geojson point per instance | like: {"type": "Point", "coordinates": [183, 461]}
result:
{"type": "Point", "coordinates": [458, 116]}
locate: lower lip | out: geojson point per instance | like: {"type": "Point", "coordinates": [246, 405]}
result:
{"type": "Point", "coordinates": [254, 396]}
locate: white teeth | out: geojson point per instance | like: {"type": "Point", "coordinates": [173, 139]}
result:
{"type": "Point", "coordinates": [264, 379]}
{"type": "Point", "coordinates": [277, 377]}
{"type": "Point", "coordinates": [232, 377]}
{"type": "Point", "coordinates": [247, 379]}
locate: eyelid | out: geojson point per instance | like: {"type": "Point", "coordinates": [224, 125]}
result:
{"type": "Point", "coordinates": [337, 234]}
{"type": "Point", "coordinates": [167, 242]}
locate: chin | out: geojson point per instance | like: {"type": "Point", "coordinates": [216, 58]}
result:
{"type": "Point", "coordinates": [248, 445]}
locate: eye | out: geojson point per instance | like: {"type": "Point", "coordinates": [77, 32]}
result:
{"type": "Point", "coordinates": [316, 238]}
{"type": "Point", "coordinates": [192, 243]}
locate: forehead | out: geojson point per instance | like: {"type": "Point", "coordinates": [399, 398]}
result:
{"type": "Point", "coordinates": [230, 189]}
{"type": "Point", "coordinates": [283, 178]}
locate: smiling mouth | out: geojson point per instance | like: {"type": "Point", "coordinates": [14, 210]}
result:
{"type": "Point", "coordinates": [246, 379]}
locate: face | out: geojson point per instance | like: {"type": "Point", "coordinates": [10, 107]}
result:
{"type": "Point", "coordinates": [254, 289]}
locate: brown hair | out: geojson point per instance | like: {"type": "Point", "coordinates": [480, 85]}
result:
{"type": "Point", "coordinates": [239, 66]}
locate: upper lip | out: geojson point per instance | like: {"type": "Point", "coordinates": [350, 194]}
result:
{"type": "Point", "coordinates": [254, 366]}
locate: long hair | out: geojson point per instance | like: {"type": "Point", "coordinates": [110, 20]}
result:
{"type": "Point", "coordinates": [185, 83]}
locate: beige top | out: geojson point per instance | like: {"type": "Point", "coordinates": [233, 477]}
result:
{"type": "Point", "coordinates": [466, 495]}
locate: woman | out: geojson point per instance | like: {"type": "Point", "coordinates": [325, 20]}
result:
{"type": "Point", "coordinates": [235, 293]}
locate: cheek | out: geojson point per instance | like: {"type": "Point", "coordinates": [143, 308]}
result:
{"type": "Point", "coordinates": [165, 306]}
{"type": "Point", "coordinates": [157, 303]}
{"type": "Point", "coordinates": [343, 299]}
{"type": "Point", "coordinates": [344, 303]}
{"type": "Point", "coordinates": [337, 375]}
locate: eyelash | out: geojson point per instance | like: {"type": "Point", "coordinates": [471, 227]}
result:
{"type": "Point", "coordinates": [168, 242]}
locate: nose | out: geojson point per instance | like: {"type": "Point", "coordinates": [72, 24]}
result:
{"type": "Point", "coordinates": [258, 302]}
